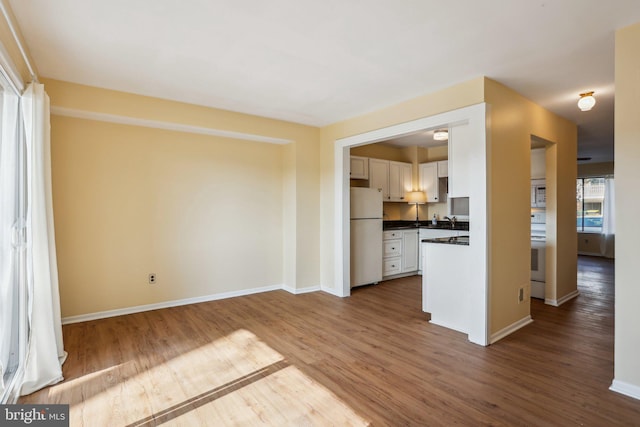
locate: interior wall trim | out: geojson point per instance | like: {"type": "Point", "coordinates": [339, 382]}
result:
{"type": "Point", "coordinates": [166, 304]}
{"type": "Point", "coordinates": [331, 290]}
{"type": "Point", "coordinates": [590, 253]}
{"type": "Point", "coordinates": [560, 301]}
{"type": "Point", "coordinates": [158, 124]}
{"type": "Point", "coordinates": [510, 329]}
{"type": "Point", "coordinates": [176, 303]}
{"type": "Point", "coordinates": [627, 389]}
{"type": "Point", "coordinates": [299, 291]}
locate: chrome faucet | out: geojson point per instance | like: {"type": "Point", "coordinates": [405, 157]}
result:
{"type": "Point", "coordinates": [452, 221]}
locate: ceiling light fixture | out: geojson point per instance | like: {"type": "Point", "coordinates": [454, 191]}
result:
{"type": "Point", "coordinates": [441, 135]}
{"type": "Point", "coordinates": [586, 101]}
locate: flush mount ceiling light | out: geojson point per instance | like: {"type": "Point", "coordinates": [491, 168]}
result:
{"type": "Point", "coordinates": [586, 101]}
{"type": "Point", "coordinates": [441, 135]}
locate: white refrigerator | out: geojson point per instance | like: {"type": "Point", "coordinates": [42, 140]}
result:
{"type": "Point", "coordinates": [366, 236]}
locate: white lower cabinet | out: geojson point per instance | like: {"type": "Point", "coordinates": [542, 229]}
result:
{"type": "Point", "coordinates": [392, 248]}
{"type": "Point", "coordinates": [391, 266]}
{"type": "Point", "coordinates": [409, 251]}
{"type": "Point", "coordinates": [400, 252]}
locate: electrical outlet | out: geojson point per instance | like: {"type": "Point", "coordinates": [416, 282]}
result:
{"type": "Point", "coordinates": [152, 278]}
{"type": "Point", "coordinates": [520, 295]}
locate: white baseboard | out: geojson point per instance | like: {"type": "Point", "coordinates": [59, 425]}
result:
{"type": "Point", "coordinates": [399, 275]}
{"type": "Point", "coordinates": [167, 304]}
{"type": "Point", "coordinates": [301, 290]}
{"type": "Point", "coordinates": [559, 302]}
{"type": "Point", "coordinates": [332, 291]}
{"type": "Point", "coordinates": [510, 329]}
{"type": "Point", "coordinates": [444, 324]}
{"type": "Point", "coordinates": [627, 389]}
{"type": "Point", "coordinates": [590, 253]}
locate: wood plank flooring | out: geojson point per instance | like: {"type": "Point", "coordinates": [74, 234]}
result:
{"type": "Point", "coordinates": [371, 359]}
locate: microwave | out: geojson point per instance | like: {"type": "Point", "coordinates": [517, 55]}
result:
{"type": "Point", "coordinates": [538, 193]}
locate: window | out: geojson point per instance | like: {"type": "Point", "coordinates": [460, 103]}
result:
{"type": "Point", "coordinates": [589, 203]}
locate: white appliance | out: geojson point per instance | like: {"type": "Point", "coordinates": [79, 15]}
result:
{"type": "Point", "coordinates": [538, 248]}
{"type": "Point", "coordinates": [366, 236]}
{"type": "Point", "coordinates": [538, 193]}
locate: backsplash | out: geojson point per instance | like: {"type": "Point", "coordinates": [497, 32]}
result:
{"type": "Point", "coordinates": [406, 212]}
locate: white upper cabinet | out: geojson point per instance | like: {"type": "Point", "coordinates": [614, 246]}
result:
{"type": "Point", "coordinates": [460, 147]}
{"type": "Point", "coordinates": [443, 168]}
{"type": "Point", "coordinates": [359, 168]}
{"type": "Point", "coordinates": [394, 179]}
{"type": "Point", "coordinates": [429, 181]}
{"type": "Point", "coordinates": [379, 176]}
{"type": "Point", "coordinates": [400, 180]}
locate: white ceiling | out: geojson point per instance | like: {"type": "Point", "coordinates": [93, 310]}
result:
{"type": "Point", "coordinates": [318, 62]}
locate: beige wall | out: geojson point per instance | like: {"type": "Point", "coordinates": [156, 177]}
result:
{"type": "Point", "coordinates": [627, 159]}
{"type": "Point", "coordinates": [207, 214]}
{"type": "Point", "coordinates": [130, 201]}
{"type": "Point", "coordinates": [514, 119]}
{"type": "Point", "coordinates": [381, 151]}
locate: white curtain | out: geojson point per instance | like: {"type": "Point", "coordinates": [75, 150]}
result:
{"type": "Point", "coordinates": [11, 242]}
{"type": "Point", "coordinates": [45, 352]}
{"type": "Point", "coordinates": [607, 240]}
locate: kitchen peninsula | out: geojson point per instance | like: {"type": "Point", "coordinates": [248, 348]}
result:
{"type": "Point", "coordinates": [445, 281]}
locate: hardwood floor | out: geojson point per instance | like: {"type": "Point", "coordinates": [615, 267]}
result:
{"type": "Point", "coordinates": [371, 359]}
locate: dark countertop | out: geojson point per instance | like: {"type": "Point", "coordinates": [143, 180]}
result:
{"type": "Point", "coordinates": [458, 240]}
{"type": "Point", "coordinates": [441, 225]}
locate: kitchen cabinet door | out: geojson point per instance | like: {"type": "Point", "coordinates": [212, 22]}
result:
{"type": "Point", "coordinates": [359, 168]}
{"type": "Point", "coordinates": [379, 176]}
{"type": "Point", "coordinates": [443, 168]}
{"type": "Point", "coordinates": [409, 251]}
{"type": "Point", "coordinates": [429, 181]}
{"type": "Point", "coordinates": [391, 266]}
{"type": "Point", "coordinates": [400, 180]}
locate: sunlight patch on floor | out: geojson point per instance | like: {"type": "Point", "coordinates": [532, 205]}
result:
{"type": "Point", "coordinates": [235, 380]}
{"type": "Point", "coordinates": [285, 398]}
